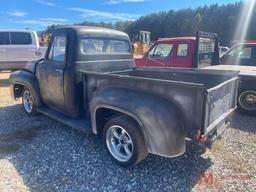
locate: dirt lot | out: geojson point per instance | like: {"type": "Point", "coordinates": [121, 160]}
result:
{"type": "Point", "coordinates": [38, 154]}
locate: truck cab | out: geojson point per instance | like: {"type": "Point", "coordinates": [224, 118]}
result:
{"type": "Point", "coordinates": [169, 52]}
{"type": "Point", "coordinates": [185, 52]}
{"type": "Point", "coordinates": [69, 49]}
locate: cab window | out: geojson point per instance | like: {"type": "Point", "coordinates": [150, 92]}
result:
{"type": "Point", "coordinates": [182, 50]}
{"type": "Point", "coordinates": [161, 51]}
{"type": "Point", "coordinates": [103, 46]}
{"type": "Point", "coordinates": [58, 49]}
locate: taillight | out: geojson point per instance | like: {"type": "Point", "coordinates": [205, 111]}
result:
{"type": "Point", "coordinates": [198, 134]}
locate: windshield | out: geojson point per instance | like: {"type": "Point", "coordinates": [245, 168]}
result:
{"type": "Point", "coordinates": [161, 51]}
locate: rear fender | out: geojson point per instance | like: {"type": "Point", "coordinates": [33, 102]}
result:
{"type": "Point", "coordinates": [159, 119]}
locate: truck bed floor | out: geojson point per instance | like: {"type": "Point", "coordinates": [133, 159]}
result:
{"type": "Point", "coordinates": [80, 124]}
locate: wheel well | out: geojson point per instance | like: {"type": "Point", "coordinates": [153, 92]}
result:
{"type": "Point", "coordinates": [17, 90]}
{"type": "Point", "coordinates": [103, 115]}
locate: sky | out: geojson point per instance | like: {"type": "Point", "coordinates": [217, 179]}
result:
{"type": "Point", "coordinates": [38, 14]}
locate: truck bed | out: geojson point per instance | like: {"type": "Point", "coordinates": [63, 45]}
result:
{"type": "Point", "coordinates": [220, 89]}
{"type": "Point", "coordinates": [204, 97]}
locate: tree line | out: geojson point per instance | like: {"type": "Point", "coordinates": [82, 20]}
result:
{"type": "Point", "coordinates": [220, 19]}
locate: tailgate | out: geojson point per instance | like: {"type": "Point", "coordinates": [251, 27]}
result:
{"type": "Point", "coordinates": [221, 101]}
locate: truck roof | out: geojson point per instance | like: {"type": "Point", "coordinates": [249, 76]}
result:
{"type": "Point", "coordinates": [95, 32]}
{"type": "Point", "coordinates": [176, 39]}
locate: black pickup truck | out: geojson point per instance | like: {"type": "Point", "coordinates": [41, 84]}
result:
{"type": "Point", "coordinates": [88, 81]}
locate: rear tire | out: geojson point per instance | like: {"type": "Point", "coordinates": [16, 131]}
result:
{"type": "Point", "coordinates": [247, 102]}
{"type": "Point", "coordinates": [28, 101]}
{"type": "Point", "coordinates": [124, 141]}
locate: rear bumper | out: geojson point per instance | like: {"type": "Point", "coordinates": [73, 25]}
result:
{"type": "Point", "coordinates": [218, 126]}
{"type": "Point", "coordinates": [220, 120]}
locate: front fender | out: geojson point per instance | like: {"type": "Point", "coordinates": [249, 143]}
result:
{"type": "Point", "coordinates": [160, 120]}
{"type": "Point", "coordinates": [28, 80]}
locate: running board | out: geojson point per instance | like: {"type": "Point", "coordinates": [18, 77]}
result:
{"type": "Point", "coordinates": [80, 124]}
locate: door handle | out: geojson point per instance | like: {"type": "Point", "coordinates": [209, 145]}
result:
{"type": "Point", "coordinates": [59, 70]}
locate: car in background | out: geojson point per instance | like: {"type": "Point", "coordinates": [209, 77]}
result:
{"type": "Point", "coordinates": [243, 53]}
{"type": "Point", "coordinates": [223, 50]}
{"type": "Point", "coordinates": [182, 52]}
{"type": "Point", "coordinates": [18, 47]}
{"type": "Point", "coordinates": [242, 57]}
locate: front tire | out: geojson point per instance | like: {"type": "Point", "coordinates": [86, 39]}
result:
{"type": "Point", "coordinates": [124, 141]}
{"type": "Point", "coordinates": [28, 100]}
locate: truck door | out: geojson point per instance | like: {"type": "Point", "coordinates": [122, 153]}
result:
{"type": "Point", "coordinates": [182, 56]}
{"type": "Point", "coordinates": [160, 55]}
{"type": "Point", "coordinates": [50, 73]}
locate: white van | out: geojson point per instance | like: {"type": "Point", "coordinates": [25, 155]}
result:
{"type": "Point", "coordinates": [17, 47]}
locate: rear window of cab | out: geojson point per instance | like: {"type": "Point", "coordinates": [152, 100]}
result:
{"type": "Point", "coordinates": [93, 46]}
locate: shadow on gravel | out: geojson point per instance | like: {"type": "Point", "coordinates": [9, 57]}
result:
{"type": "Point", "coordinates": [16, 128]}
{"type": "Point", "coordinates": [244, 123]}
{"type": "Point", "coordinates": [11, 142]}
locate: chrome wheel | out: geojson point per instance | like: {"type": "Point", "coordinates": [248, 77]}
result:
{"type": "Point", "coordinates": [119, 143]}
{"type": "Point", "coordinates": [27, 101]}
{"type": "Point", "coordinates": [247, 100]}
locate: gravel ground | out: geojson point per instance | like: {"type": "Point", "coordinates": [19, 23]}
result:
{"type": "Point", "coordinates": [38, 154]}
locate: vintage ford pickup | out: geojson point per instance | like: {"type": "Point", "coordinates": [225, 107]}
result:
{"type": "Point", "coordinates": [88, 81]}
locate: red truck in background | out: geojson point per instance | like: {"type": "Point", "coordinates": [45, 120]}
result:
{"type": "Point", "coordinates": [188, 52]}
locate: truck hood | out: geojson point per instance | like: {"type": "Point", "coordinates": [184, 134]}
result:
{"type": "Point", "coordinates": [244, 70]}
